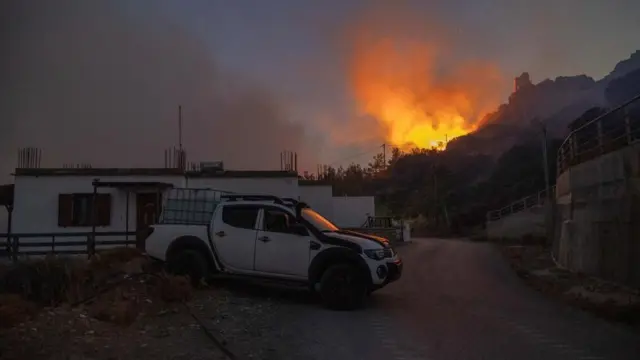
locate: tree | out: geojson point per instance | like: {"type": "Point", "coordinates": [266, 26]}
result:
{"type": "Point", "coordinates": [450, 190]}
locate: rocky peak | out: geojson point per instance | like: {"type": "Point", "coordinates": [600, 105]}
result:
{"type": "Point", "coordinates": [625, 66]}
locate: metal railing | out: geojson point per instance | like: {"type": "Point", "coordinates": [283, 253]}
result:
{"type": "Point", "coordinates": [31, 244]}
{"type": "Point", "coordinates": [608, 132]}
{"type": "Point", "coordinates": [537, 199]}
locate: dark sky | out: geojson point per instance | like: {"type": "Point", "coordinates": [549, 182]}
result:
{"type": "Point", "coordinates": [100, 81]}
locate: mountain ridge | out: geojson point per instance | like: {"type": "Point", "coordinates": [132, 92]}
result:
{"type": "Point", "coordinates": [552, 103]}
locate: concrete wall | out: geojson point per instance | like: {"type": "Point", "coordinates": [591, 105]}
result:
{"type": "Point", "coordinates": [320, 198]}
{"type": "Point", "coordinates": [598, 216]}
{"type": "Point", "coordinates": [36, 204]}
{"type": "Point", "coordinates": [36, 198]}
{"type": "Point", "coordinates": [344, 211]}
{"type": "Point", "coordinates": [352, 211]}
{"type": "Point", "coordinates": [526, 222]}
{"type": "Point", "coordinates": [36, 201]}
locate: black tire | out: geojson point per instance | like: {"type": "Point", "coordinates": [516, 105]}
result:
{"type": "Point", "coordinates": [342, 287]}
{"type": "Point", "coordinates": [189, 263]}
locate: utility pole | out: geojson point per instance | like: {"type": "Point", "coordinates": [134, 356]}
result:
{"type": "Point", "coordinates": [545, 160]}
{"type": "Point", "coordinates": [549, 202]}
{"type": "Point", "coordinates": [384, 156]}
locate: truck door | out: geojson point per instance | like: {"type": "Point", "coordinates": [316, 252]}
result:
{"type": "Point", "coordinates": [234, 235]}
{"type": "Point", "coordinates": [281, 247]}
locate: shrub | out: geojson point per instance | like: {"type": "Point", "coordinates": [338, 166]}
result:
{"type": "Point", "coordinates": [44, 281]}
{"type": "Point", "coordinates": [116, 283]}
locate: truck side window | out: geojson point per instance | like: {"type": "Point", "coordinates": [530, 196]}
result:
{"type": "Point", "coordinates": [276, 220]}
{"type": "Point", "coordinates": [240, 216]}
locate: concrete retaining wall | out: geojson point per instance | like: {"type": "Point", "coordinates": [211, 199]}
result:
{"type": "Point", "coordinates": [598, 217]}
{"type": "Point", "coordinates": [528, 222]}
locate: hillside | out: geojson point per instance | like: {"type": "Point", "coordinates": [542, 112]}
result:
{"type": "Point", "coordinates": [556, 103]}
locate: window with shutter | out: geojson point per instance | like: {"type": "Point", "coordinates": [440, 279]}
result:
{"type": "Point", "coordinates": [75, 209]}
{"type": "Point", "coordinates": [65, 210]}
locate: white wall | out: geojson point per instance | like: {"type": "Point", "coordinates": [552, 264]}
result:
{"type": "Point", "coordinates": [36, 198]}
{"type": "Point", "coordinates": [320, 198]}
{"type": "Point", "coordinates": [282, 187]}
{"type": "Point", "coordinates": [352, 211]}
{"type": "Point", "coordinates": [36, 203]}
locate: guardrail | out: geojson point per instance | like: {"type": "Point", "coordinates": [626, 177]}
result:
{"type": "Point", "coordinates": [15, 246]}
{"type": "Point", "coordinates": [608, 132]}
{"type": "Point", "coordinates": [528, 202]}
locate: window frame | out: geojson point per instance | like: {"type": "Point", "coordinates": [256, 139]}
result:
{"type": "Point", "coordinates": [292, 221]}
{"type": "Point", "coordinates": [68, 203]}
{"type": "Point", "coordinates": [236, 206]}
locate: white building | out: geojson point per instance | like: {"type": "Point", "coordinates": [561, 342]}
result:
{"type": "Point", "coordinates": [58, 201]}
{"type": "Point", "coordinates": [344, 211]}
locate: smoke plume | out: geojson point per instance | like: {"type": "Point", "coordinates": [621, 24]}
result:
{"type": "Point", "coordinates": [87, 81]}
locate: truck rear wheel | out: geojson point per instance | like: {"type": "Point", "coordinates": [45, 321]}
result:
{"type": "Point", "coordinates": [342, 287]}
{"type": "Point", "coordinates": [189, 263]}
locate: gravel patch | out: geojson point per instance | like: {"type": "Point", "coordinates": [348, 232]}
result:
{"type": "Point", "coordinates": [245, 324]}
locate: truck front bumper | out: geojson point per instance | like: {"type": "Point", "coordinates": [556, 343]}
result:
{"type": "Point", "coordinates": [395, 271]}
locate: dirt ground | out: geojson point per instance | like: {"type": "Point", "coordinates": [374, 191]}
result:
{"type": "Point", "coordinates": [241, 324]}
{"type": "Point", "coordinates": [614, 302]}
{"type": "Point", "coordinates": [143, 315]}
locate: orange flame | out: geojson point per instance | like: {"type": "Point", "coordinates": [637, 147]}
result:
{"type": "Point", "coordinates": [400, 84]}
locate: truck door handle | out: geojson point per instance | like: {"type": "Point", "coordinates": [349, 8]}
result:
{"type": "Point", "coordinates": [264, 239]}
{"type": "Point", "coordinates": [221, 234]}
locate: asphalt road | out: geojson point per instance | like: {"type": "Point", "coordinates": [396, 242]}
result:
{"type": "Point", "coordinates": [456, 300]}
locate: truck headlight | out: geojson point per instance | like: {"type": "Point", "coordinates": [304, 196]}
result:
{"type": "Point", "coordinates": [375, 254]}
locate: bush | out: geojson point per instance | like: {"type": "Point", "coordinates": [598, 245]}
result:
{"type": "Point", "coordinates": [116, 283]}
{"type": "Point", "coordinates": [45, 281]}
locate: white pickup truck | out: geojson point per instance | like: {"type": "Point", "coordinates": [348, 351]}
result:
{"type": "Point", "coordinates": [202, 232]}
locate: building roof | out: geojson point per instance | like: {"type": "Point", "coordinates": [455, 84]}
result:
{"type": "Point", "coordinates": [152, 172]}
{"type": "Point", "coordinates": [132, 184]}
{"type": "Point", "coordinates": [95, 171]}
{"type": "Point", "coordinates": [242, 174]}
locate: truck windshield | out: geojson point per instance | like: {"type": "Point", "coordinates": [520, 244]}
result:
{"type": "Point", "coordinates": [318, 221]}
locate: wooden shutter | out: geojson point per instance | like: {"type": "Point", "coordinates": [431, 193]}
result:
{"type": "Point", "coordinates": [65, 210]}
{"type": "Point", "coordinates": [103, 209]}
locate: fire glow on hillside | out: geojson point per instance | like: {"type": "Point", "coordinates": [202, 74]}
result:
{"type": "Point", "coordinates": [403, 86]}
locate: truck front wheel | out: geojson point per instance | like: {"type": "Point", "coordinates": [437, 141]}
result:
{"type": "Point", "coordinates": [188, 263]}
{"type": "Point", "coordinates": [342, 287]}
